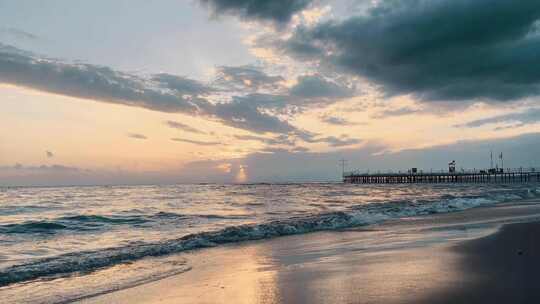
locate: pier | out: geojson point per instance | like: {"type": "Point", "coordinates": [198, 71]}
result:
{"type": "Point", "coordinates": [520, 175]}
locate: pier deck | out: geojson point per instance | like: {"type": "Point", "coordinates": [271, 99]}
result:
{"type": "Point", "coordinates": [507, 176]}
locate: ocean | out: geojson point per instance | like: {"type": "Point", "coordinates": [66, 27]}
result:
{"type": "Point", "coordinates": [110, 237]}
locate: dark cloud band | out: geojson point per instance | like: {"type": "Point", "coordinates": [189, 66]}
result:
{"type": "Point", "coordinates": [519, 119]}
{"type": "Point", "coordinates": [435, 49]}
{"type": "Point", "coordinates": [168, 93]}
{"type": "Point", "coordinates": [161, 92]}
{"type": "Point", "coordinates": [278, 11]}
{"type": "Point", "coordinates": [197, 142]}
{"type": "Point", "coordinates": [137, 136]}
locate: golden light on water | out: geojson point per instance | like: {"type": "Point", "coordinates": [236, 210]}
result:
{"type": "Point", "coordinates": [226, 167]}
{"type": "Point", "coordinates": [241, 176]}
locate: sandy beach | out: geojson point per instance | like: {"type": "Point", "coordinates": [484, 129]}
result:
{"type": "Point", "coordinates": [269, 151]}
{"type": "Point", "coordinates": [484, 255]}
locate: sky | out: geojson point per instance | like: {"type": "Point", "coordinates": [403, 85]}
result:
{"type": "Point", "coordinates": [238, 91]}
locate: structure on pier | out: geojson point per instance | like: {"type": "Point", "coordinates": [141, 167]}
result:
{"type": "Point", "coordinates": [494, 175]}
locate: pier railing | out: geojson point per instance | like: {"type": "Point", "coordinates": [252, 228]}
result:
{"type": "Point", "coordinates": [521, 174]}
{"type": "Point", "coordinates": [445, 172]}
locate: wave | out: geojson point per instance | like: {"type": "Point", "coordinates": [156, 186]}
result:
{"type": "Point", "coordinates": [94, 222]}
{"type": "Point", "coordinates": [32, 227]}
{"type": "Point", "coordinates": [103, 219]}
{"type": "Point", "coordinates": [222, 217]}
{"type": "Point", "coordinates": [358, 216]}
{"type": "Point", "coordinates": [74, 223]}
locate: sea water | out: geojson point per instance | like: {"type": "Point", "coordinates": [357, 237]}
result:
{"type": "Point", "coordinates": [54, 233]}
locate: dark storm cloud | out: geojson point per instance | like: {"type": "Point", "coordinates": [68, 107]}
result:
{"type": "Point", "coordinates": [436, 49]}
{"type": "Point", "coordinates": [513, 126]}
{"type": "Point", "coordinates": [289, 142]}
{"type": "Point", "coordinates": [315, 86]}
{"type": "Point", "coordinates": [173, 94]}
{"type": "Point", "coordinates": [183, 127]}
{"type": "Point", "coordinates": [269, 92]}
{"type": "Point", "coordinates": [518, 119]}
{"type": "Point", "coordinates": [338, 121]}
{"type": "Point", "coordinates": [267, 101]}
{"type": "Point", "coordinates": [137, 136]}
{"type": "Point", "coordinates": [249, 111]}
{"type": "Point", "coordinates": [181, 85]}
{"type": "Point", "coordinates": [197, 142]}
{"type": "Point", "coordinates": [251, 137]}
{"type": "Point", "coordinates": [395, 112]}
{"type": "Point", "coordinates": [282, 139]}
{"type": "Point", "coordinates": [244, 113]}
{"type": "Point", "coordinates": [162, 92]}
{"type": "Point", "coordinates": [334, 120]}
{"type": "Point", "coordinates": [339, 141]}
{"type": "Point", "coordinates": [310, 90]}
{"type": "Point", "coordinates": [17, 33]}
{"type": "Point", "coordinates": [277, 11]}
{"type": "Point", "coordinates": [246, 77]}
{"type": "Point", "coordinates": [85, 81]}
{"type": "Point", "coordinates": [283, 150]}
{"type": "Point", "coordinates": [332, 141]}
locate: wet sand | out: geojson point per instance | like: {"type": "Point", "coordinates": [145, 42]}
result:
{"type": "Point", "coordinates": [463, 257]}
{"type": "Point", "coordinates": [505, 266]}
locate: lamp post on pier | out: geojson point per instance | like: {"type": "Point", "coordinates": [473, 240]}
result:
{"type": "Point", "coordinates": [343, 163]}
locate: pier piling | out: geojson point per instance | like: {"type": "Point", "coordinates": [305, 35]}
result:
{"type": "Point", "coordinates": [474, 176]}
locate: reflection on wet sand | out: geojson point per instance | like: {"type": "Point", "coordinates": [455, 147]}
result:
{"type": "Point", "coordinates": [398, 262]}
{"type": "Point", "coordinates": [318, 268]}
{"type": "Point", "coordinates": [217, 276]}
{"type": "Point", "coordinates": [352, 274]}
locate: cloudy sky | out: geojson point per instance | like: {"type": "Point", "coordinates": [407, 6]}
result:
{"type": "Point", "coordinates": [114, 92]}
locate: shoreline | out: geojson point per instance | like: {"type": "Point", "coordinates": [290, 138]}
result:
{"type": "Point", "coordinates": [368, 215]}
{"type": "Point", "coordinates": [417, 260]}
{"type": "Point", "coordinates": [503, 267]}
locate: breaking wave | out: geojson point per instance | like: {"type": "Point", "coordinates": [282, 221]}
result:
{"type": "Point", "coordinates": [357, 216]}
{"type": "Point", "coordinates": [95, 222]}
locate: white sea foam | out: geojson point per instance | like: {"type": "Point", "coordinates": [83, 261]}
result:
{"type": "Point", "coordinates": [353, 216]}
